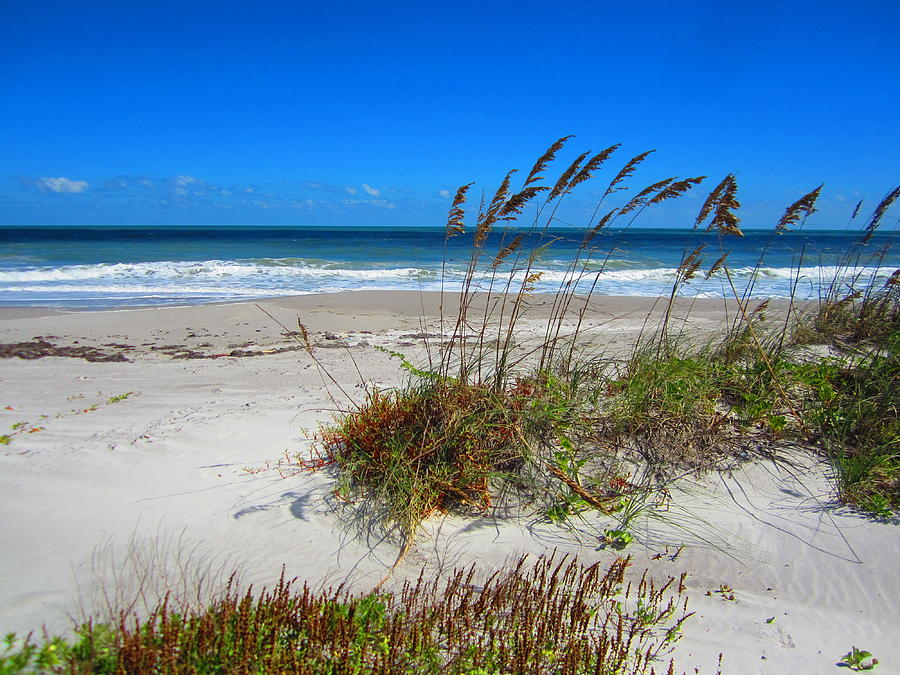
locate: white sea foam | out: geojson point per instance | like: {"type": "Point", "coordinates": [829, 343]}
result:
{"type": "Point", "coordinates": [196, 269]}
{"type": "Point", "coordinates": [212, 279]}
{"type": "Point", "coordinates": [110, 289]}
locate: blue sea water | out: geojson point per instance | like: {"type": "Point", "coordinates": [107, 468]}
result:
{"type": "Point", "coordinates": [101, 267]}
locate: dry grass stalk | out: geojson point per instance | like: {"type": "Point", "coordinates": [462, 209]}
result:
{"type": "Point", "coordinates": [879, 212]}
{"type": "Point", "coordinates": [456, 217]}
{"type": "Point", "coordinates": [799, 211]}
{"type": "Point", "coordinates": [723, 203]}
{"type": "Point", "coordinates": [593, 165]}
{"type": "Point", "coordinates": [562, 183]}
{"type": "Point", "coordinates": [676, 189]}
{"type": "Point", "coordinates": [626, 172]}
{"type": "Point", "coordinates": [549, 155]}
{"type": "Point", "coordinates": [641, 197]}
{"type": "Point", "coordinates": [717, 265]}
{"type": "Point", "coordinates": [579, 490]}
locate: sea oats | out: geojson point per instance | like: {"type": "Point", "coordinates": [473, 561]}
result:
{"type": "Point", "coordinates": [627, 171]}
{"type": "Point", "coordinates": [676, 189]}
{"type": "Point", "coordinates": [506, 251]}
{"type": "Point", "coordinates": [712, 200]}
{"type": "Point", "coordinates": [724, 217]}
{"type": "Point", "coordinates": [716, 266]}
{"type": "Point", "coordinates": [518, 201]}
{"type": "Point", "coordinates": [499, 198]}
{"type": "Point", "coordinates": [879, 212]}
{"type": "Point", "coordinates": [799, 211]}
{"type": "Point", "coordinates": [591, 233]}
{"type": "Point", "coordinates": [455, 219]}
{"type": "Point", "coordinates": [641, 197]}
{"type": "Point", "coordinates": [566, 176]}
{"type": "Point", "coordinates": [541, 164]}
{"type": "Point", "coordinates": [593, 164]}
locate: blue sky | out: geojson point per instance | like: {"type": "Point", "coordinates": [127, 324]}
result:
{"type": "Point", "coordinates": [325, 113]}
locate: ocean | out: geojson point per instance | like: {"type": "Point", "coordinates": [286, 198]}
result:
{"type": "Point", "coordinates": [104, 267]}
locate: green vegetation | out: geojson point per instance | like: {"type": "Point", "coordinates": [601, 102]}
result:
{"type": "Point", "coordinates": [855, 659]}
{"type": "Point", "coordinates": [498, 416]}
{"type": "Point", "coordinates": [551, 616]}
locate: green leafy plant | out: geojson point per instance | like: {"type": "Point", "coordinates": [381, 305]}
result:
{"type": "Point", "coordinates": [855, 659]}
{"type": "Point", "coordinates": [617, 539]}
{"type": "Point", "coordinates": [25, 656]}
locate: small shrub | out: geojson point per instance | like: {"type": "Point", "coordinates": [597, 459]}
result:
{"type": "Point", "coordinates": [427, 448]}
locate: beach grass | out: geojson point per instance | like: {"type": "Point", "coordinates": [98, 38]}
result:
{"type": "Point", "coordinates": [493, 412]}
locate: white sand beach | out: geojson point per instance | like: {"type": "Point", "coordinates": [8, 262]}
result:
{"type": "Point", "coordinates": [175, 443]}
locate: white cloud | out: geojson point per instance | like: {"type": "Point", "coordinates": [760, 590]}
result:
{"type": "Point", "coordinates": [445, 194]}
{"type": "Point", "coordinates": [60, 185]}
{"type": "Point", "coordinates": [369, 190]}
{"type": "Point", "coordinates": [351, 190]}
{"type": "Point", "coordinates": [182, 181]}
{"type": "Point", "coordinates": [378, 203]}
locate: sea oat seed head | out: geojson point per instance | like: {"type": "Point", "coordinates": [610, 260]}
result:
{"type": "Point", "coordinates": [591, 233]}
{"type": "Point", "coordinates": [712, 199]}
{"type": "Point", "coordinates": [627, 171]}
{"type": "Point", "coordinates": [640, 197]}
{"type": "Point", "coordinates": [724, 219]}
{"type": "Point", "coordinates": [716, 266]}
{"type": "Point", "coordinates": [455, 222]}
{"type": "Point", "coordinates": [800, 209]}
{"type": "Point", "coordinates": [879, 212]}
{"type": "Point", "coordinates": [541, 164]}
{"type": "Point", "coordinates": [518, 201]}
{"type": "Point", "coordinates": [506, 250]}
{"type": "Point", "coordinates": [675, 189]}
{"type": "Point", "coordinates": [593, 164]}
{"type": "Point", "coordinates": [563, 183]}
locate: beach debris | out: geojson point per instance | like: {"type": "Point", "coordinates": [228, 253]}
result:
{"type": "Point", "coordinates": [39, 348]}
{"type": "Point", "coordinates": [725, 591]}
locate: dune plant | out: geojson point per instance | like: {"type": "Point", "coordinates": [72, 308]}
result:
{"type": "Point", "coordinates": [852, 394]}
{"type": "Point", "coordinates": [554, 615]}
{"type": "Point", "coordinates": [493, 405]}
{"type": "Point", "coordinates": [499, 409]}
{"type": "Point", "coordinates": [856, 659]}
{"type": "Point", "coordinates": [855, 413]}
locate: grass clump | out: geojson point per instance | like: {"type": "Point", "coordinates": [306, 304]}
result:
{"type": "Point", "coordinates": [856, 416]}
{"type": "Point", "coordinates": [427, 448]}
{"type": "Point", "coordinates": [667, 408]}
{"type": "Point", "coordinates": [496, 406]}
{"type": "Point", "coordinates": [553, 616]}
